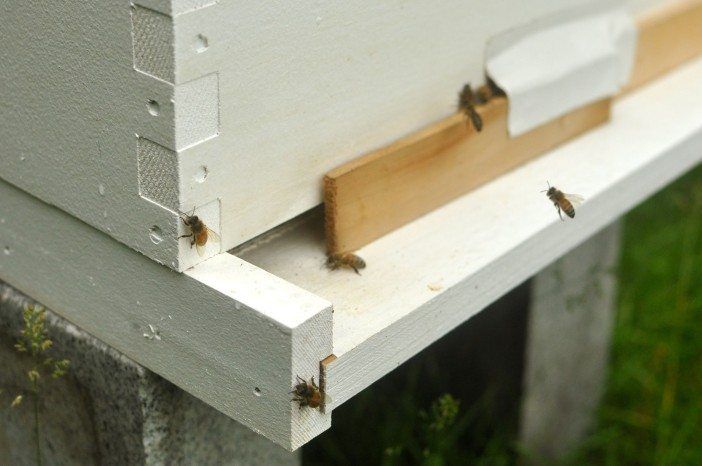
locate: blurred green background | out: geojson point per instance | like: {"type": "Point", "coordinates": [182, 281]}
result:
{"type": "Point", "coordinates": [436, 410]}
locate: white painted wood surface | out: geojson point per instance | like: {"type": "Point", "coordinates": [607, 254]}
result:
{"type": "Point", "coordinates": [236, 108]}
{"type": "Point", "coordinates": [225, 331]}
{"type": "Point", "coordinates": [70, 106]}
{"type": "Point", "coordinates": [431, 275]}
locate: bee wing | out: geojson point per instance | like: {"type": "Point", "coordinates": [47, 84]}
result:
{"type": "Point", "coordinates": [200, 249]}
{"type": "Point", "coordinates": [212, 235]}
{"type": "Point", "coordinates": [575, 199]}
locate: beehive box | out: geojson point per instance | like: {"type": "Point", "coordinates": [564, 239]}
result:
{"type": "Point", "coordinates": [118, 115]}
{"type": "Point", "coordinates": [124, 113]}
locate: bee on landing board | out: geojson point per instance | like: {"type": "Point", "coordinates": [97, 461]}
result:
{"type": "Point", "coordinates": [466, 104]}
{"type": "Point", "coordinates": [307, 393]}
{"type": "Point", "coordinates": [199, 232]}
{"type": "Point", "coordinates": [345, 259]}
{"type": "Point", "coordinates": [563, 202]}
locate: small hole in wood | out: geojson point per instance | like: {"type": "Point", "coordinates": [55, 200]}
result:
{"type": "Point", "coordinates": [257, 391]}
{"type": "Point", "coordinates": [153, 107]}
{"type": "Point", "coordinates": [201, 174]}
{"type": "Point", "coordinates": [155, 234]}
{"type": "Point", "coordinates": [201, 43]}
{"type": "Point", "coordinates": [7, 251]}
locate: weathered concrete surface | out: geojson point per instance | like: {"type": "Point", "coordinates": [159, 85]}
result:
{"type": "Point", "coordinates": [110, 411]}
{"type": "Point", "coordinates": [572, 312]}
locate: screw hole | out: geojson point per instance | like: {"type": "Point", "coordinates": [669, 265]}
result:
{"type": "Point", "coordinates": [155, 234]}
{"type": "Point", "coordinates": [7, 250]}
{"type": "Point", "coordinates": [201, 174]}
{"type": "Point", "coordinates": [153, 107]}
{"type": "Point", "coordinates": [201, 43]}
{"type": "Point", "coordinates": [257, 391]}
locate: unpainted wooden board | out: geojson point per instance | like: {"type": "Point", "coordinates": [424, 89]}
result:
{"type": "Point", "coordinates": [220, 331]}
{"type": "Point", "coordinates": [427, 277]}
{"type": "Point", "coordinates": [381, 191]}
{"type": "Point", "coordinates": [377, 193]}
{"type": "Point", "coordinates": [669, 35]}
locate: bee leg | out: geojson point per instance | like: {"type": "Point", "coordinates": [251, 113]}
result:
{"type": "Point", "coordinates": [314, 384]}
{"type": "Point", "coordinates": [192, 241]}
{"type": "Point", "coordinates": [475, 119]}
{"type": "Point", "coordinates": [559, 213]}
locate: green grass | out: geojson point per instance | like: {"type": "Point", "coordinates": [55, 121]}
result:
{"type": "Point", "coordinates": [651, 413]}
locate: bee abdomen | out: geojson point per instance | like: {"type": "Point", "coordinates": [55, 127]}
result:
{"type": "Point", "coordinates": [570, 211]}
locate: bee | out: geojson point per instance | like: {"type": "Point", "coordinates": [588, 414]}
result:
{"type": "Point", "coordinates": [307, 393]}
{"type": "Point", "coordinates": [563, 201]}
{"type": "Point", "coordinates": [199, 232]}
{"type": "Point", "coordinates": [466, 104]}
{"type": "Point", "coordinates": [345, 259]}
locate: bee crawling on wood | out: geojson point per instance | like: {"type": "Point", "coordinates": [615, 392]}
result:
{"type": "Point", "coordinates": [563, 201]}
{"type": "Point", "coordinates": [345, 259]}
{"type": "Point", "coordinates": [199, 232]}
{"type": "Point", "coordinates": [307, 393]}
{"type": "Point", "coordinates": [467, 100]}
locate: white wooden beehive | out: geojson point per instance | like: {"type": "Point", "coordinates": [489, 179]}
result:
{"type": "Point", "coordinates": [121, 114]}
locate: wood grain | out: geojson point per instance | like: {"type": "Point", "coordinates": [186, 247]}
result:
{"type": "Point", "coordinates": [669, 35]}
{"type": "Point", "coordinates": [381, 191]}
{"type": "Point", "coordinates": [385, 189]}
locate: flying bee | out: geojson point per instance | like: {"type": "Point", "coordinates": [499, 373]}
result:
{"type": "Point", "coordinates": [199, 232]}
{"type": "Point", "coordinates": [307, 393]}
{"type": "Point", "coordinates": [466, 104]}
{"type": "Point", "coordinates": [345, 259]}
{"type": "Point", "coordinates": [563, 201]}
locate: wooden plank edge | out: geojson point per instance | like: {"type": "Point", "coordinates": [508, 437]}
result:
{"type": "Point", "coordinates": [323, 365]}
{"type": "Point", "coordinates": [501, 154]}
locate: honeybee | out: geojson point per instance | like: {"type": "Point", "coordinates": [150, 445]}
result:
{"type": "Point", "coordinates": [307, 393]}
{"type": "Point", "coordinates": [199, 232]}
{"type": "Point", "coordinates": [466, 104]}
{"type": "Point", "coordinates": [345, 259]}
{"type": "Point", "coordinates": [563, 201]}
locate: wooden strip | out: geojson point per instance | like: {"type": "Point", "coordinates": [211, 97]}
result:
{"type": "Point", "coordinates": [668, 36]}
{"type": "Point", "coordinates": [381, 191]}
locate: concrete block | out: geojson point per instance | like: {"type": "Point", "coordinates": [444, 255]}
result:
{"type": "Point", "coordinates": [570, 325]}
